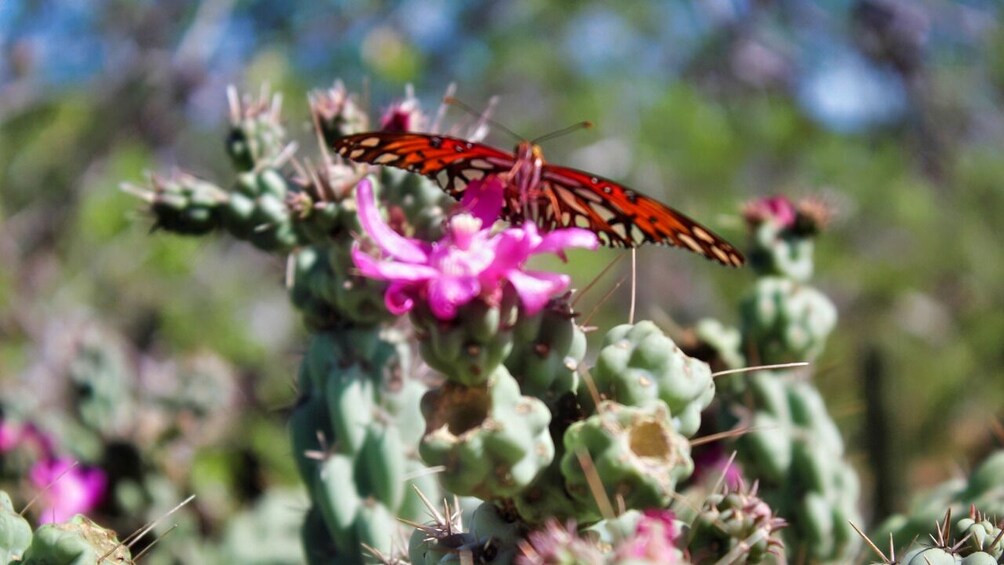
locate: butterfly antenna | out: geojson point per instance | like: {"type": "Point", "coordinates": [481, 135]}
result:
{"type": "Point", "coordinates": [454, 101]}
{"type": "Point", "coordinates": [563, 131]}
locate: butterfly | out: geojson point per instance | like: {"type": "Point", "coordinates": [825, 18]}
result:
{"type": "Point", "coordinates": [559, 196]}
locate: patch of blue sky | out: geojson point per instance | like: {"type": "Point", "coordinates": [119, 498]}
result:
{"type": "Point", "coordinates": [847, 93]}
{"type": "Point", "coordinates": [63, 39]}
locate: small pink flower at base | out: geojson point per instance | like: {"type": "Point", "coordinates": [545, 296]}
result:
{"type": "Point", "coordinates": [470, 262]}
{"type": "Point", "coordinates": [712, 464]}
{"type": "Point", "coordinates": [654, 539]}
{"type": "Point", "coordinates": [66, 489]}
{"type": "Point", "coordinates": [777, 209]}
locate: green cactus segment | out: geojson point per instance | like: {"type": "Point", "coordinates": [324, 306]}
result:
{"type": "Point", "coordinates": [491, 441]}
{"type": "Point", "coordinates": [15, 532]}
{"type": "Point", "coordinates": [547, 351]}
{"type": "Point", "coordinates": [635, 452]}
{"type": "Point", "coordinates": [796, 451]}
{"type": "Point", "coordinates": [256, 134]}
{"type": "Point", "coordinates": [983, 491]}
{"type": "Point", "coordinates": [185, 204]}
{"type": "Point", "coordinates": [978, 534]}
{"type": "Point", "coordinates": [315, 538]}
{"type": "Point", "coordinates": [336, 113]}
{"type": "Point", "coordinates": [732, 525]}
{"type": "Point", "coordinates": [77, 542]}
{"type": "Point", "coordinates": [329, 295]}
{"type": "Point", "coordinates": [783, 321]}
{"type": "Point", "coordinates": [256, 211]}
{"type": "Point", "coordinates": [418, 198]}
{"type": "Point", "coordinates": [469, 348]}
{"type": "Point", "coordinates": [639, 366]}
{"type": "Point", "coordinates": [348, 435]}
{"type": "Point", "coordinates": [726, 343]}
{"type": "Point", "coordinates": [776, 250]}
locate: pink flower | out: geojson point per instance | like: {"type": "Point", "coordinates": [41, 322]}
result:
{"type": "Point", "coordinates": [778, 209]}
{"type": "Point", "coordinates": [712, 464]}
{"type": "Point", "coordinates": [16, 434]}
{"type": "Point", "coordinates": [654, 539]}
{"type": "Point", "coordinates": [67, 489]}
{"type": "Point", "coordinates": [405, 115]}
{"type": "Point", "coordinates": [470, 262]}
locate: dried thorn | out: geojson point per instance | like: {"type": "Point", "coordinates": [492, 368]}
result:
{"type": "Point", "coordinates": [149, 547]}
{"type": "Point", "coordinates": [759, 368]}
{"type": "Point", "coordinates": [871, 544]}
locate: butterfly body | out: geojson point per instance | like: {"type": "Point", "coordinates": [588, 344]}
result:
{"type": "Point", "coordinates": [553, 196]}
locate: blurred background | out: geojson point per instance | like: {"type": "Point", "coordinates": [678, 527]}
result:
{"type": "Point", "coordinates": [182, 352]}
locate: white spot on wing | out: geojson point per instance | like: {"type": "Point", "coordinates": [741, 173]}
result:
{"type": "Point", "coordinates": [691, 243]}
{"type": "Point", "coordinates": [386, 158]}
{"type": "Point", "coordinates": [370, 142]}
{"type": "Point", "coordinates": [702, 234]}
{"type": "Point", "coordinates": [356, 153]}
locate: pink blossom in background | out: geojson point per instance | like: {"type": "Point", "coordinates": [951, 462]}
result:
{"type": "Point", "coordinates": [66, 489]}
{"type": "Point", "coordinates": [778, 209]}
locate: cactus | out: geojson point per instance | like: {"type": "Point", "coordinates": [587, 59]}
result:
{"type": "Point", "coordinates": [981, 494]}
{"type": "Point", "coordinates": [639, 366]}
{"type": "Point", "coordinates": [735, 526]}
{"type": "Point", "coordinates": [15, 532]}
{"type": "Point", "coordinates": [499, 400]}
{"type": "Point", "coordinates": [793, 446]}
{"type": "Point", "coordinates": [76, 542]}
{"type": "Point", "coordinates": [636, 453]}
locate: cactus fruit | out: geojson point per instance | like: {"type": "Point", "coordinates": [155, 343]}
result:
{"type": "Point", "coordinates": [77, 542]}
{"type": "Point", "coordinates": [784, 321]}
{"type": "Point", "coordinates": [640, 366]}
{"type": "Point", "coordinates": [491, 441]}
{"type": "Point", "coordinates": [635, 452]}
{"type": "Point", "coordinates": [471, 347]}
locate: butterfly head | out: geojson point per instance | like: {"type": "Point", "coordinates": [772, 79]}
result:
{"type": "Point", "coordinates": [528, 151]}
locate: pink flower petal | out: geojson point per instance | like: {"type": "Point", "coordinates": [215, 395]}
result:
{"type": "Point", "coordinates": [483, 199]}
{"type": "Point", "coordinates": [559, 240]}
{"type": "Point", "coordinates": [535, 289]}
{"type": "Point", "coordinates": [447, 293]}
{"type": "Point", "coordinates": [387, 270]}
{"type": "Point", "coordinates": [391, 242]}
{"type": "Point", "coordinates": [397, 299]}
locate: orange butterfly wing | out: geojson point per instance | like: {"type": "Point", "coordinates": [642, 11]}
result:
{"type": "Point", "coordinates": [565, 197]}
{"type": "Point", "coordinates": [623, 218]}
{"type": "Point", "coordinates": [450, 161]}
